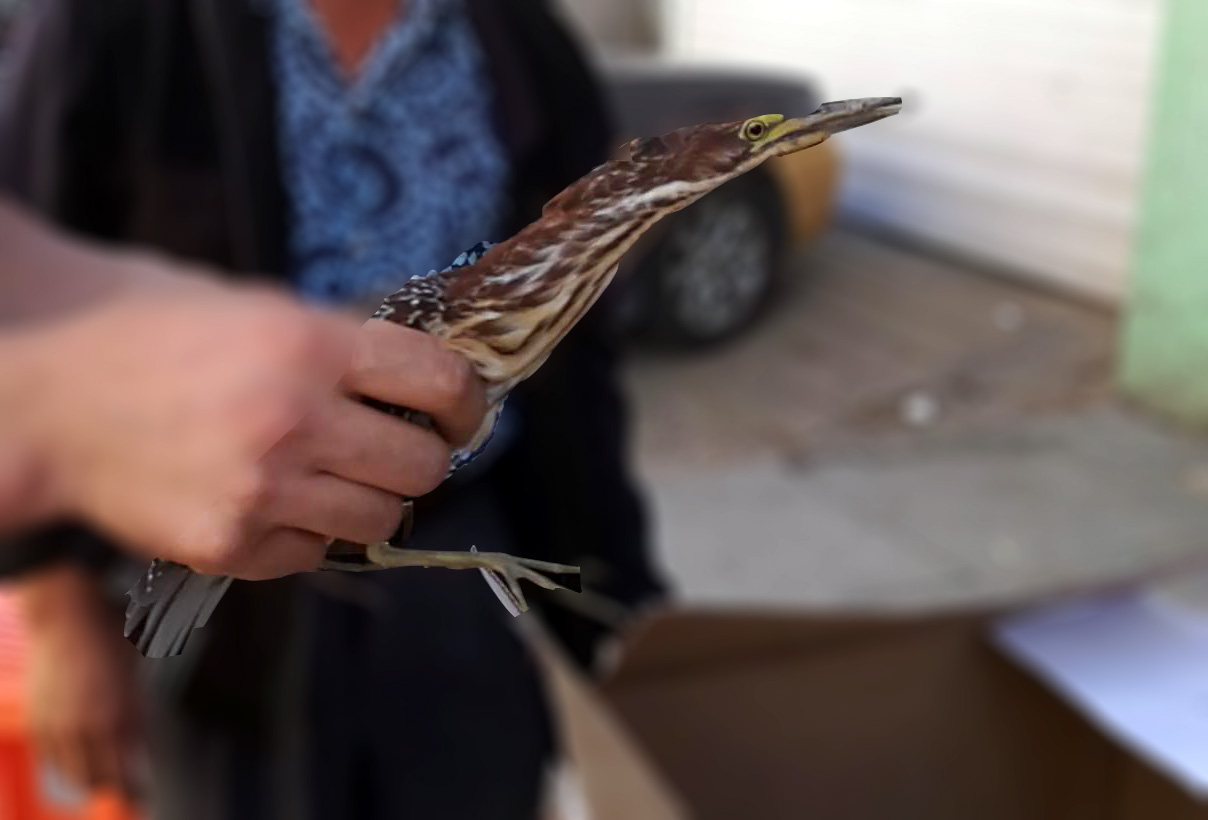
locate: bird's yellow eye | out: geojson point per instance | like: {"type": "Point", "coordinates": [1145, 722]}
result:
{"type": "Point", "coordinates": [754, 130]}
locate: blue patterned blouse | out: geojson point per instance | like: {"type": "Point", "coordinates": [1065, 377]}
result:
{"type": "Point", "coordinates": [395, 172]}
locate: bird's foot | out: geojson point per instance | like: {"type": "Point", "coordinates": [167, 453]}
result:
{"type": "Point", "coordinates": [502, 571]}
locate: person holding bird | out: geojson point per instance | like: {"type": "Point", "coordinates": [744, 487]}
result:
{"type": "Point", "coordinates": [337, 148]}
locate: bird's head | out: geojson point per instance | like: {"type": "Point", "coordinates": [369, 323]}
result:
{"type": "Point", "coordinates": [716, 152]}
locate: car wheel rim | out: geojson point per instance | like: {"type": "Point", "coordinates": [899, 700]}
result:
{"type": "Point", "coordinates": [718, 266]}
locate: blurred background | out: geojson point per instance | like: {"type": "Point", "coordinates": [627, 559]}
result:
{"type": "Point", "coordinates": [950, 362]}
{"type": "Point", "coordinates": [975, 265]}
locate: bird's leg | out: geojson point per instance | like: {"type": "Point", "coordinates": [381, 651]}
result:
{"type": "Point", "coordinates": [502, 571]}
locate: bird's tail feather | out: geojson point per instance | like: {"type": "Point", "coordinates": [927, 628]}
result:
{"type": "Point", "coordinates": [167, 604]}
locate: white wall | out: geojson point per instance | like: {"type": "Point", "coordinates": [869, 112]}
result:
{"type": "Point", "coordinates": [614, 25]}
{"type": "Point", "coordinates": [1023, 137]}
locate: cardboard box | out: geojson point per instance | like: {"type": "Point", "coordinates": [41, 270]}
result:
{"type": "Point", "coordinates": [743, 714]}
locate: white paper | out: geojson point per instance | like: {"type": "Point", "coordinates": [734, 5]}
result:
{"type": "Point", "coordinates": [1136, 663]}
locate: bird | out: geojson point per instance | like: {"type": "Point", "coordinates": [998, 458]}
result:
{"type": "Point", "coordinates": [505, 307]}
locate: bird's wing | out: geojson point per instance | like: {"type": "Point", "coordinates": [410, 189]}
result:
{"type": "Point", "coordinates": [419, 303]}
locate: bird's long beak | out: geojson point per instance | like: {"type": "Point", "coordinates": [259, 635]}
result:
{"type": "Point", "coordinates": [830, 118]}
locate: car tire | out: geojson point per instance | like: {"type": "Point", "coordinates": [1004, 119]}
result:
{"type": "Point", "coordinates": [714, 269]}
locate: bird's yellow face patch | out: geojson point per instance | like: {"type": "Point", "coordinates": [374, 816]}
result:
{"type": "Point", "coordinates": [759, 130]}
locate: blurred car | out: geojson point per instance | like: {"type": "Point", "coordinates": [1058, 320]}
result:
{"type": "Point", "coordinates": [705, 274]}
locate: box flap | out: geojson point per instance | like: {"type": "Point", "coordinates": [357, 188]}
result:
{"type": "Point", "coordinates": [683, 637]}
{"type": "Point", "coordinates": [614, 775]}
{"type": "Point", "coordinates": [685, 640]}
{"type": "Point", "coordinates": [752, 715]}
{"type": "Point", "coordinates": [1135, 662]}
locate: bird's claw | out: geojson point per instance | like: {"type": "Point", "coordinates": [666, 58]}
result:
{"type": "Point", "coordinates": [502, 572]}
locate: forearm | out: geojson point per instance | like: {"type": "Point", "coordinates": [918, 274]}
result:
{"type": "Point", "coordinates": [25, 492]}
{"type": "Point", "coordinates": [44, 273]}
{"type": "Point", "coordinates": [48, 282]}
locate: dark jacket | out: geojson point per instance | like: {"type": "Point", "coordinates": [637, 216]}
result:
{"type": "Point", "coordinates": [152, 122]}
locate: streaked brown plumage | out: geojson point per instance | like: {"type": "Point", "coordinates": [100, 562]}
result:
{"type": "Point", "coordinates": [508, 311]}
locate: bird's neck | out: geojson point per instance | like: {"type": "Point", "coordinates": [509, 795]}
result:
{"type": "Point", "coordinates": [530, 290]}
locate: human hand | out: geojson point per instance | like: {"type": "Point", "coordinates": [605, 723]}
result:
{"type": "Point", "coordinates": [84, 706]}
{"type": "Point", "coordinates": [342, 470]}
{"type": "Point", "coordinates": [216, 427]}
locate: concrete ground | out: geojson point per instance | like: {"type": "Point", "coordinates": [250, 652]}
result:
{"type": "Point", "coordinates": [902, 432]}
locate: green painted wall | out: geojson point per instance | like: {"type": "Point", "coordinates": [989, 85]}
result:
{"type": "Point", "coordinates": [1164, 357]}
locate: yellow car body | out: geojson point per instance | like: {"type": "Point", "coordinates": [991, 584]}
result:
{"type": "Point", "coordinates": [809, 184]}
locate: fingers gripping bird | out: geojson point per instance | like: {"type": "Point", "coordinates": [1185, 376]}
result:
{"type": "Point", "coordinates": [505, 307]}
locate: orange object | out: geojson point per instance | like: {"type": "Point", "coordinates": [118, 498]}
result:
{"type": "Point", "coordinates": [20, 792]}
